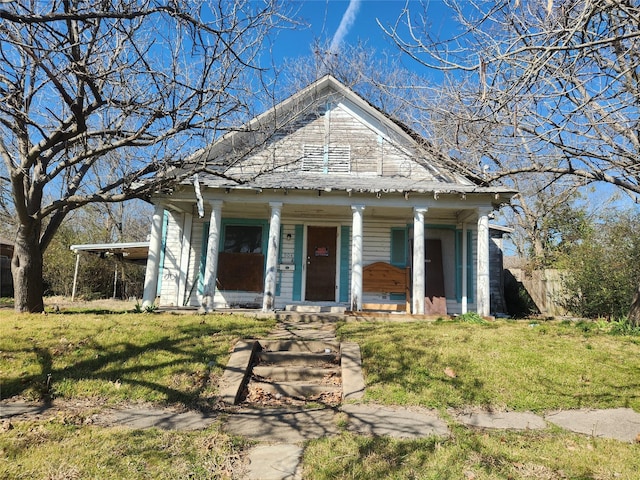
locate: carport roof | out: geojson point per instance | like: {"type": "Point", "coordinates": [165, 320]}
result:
{"type": "Point", "coordinates": [134, 252]}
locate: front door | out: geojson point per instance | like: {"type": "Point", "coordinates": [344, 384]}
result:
{"type": "Point", "coordinates": [436, 300]}
{"type": "Point", "coordinates": [321, 264]}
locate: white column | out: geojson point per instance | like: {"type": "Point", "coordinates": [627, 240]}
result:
{"type": "Point", "coordinates": [356, 257]}
{"type": "Point", "coordinates": [271, 274]}
{"type": "Point", "coordinates": [483, 296]}
{"type": "Point", "coordinates": [153, 258]}
{"type": "Point", "coordinates": [211, 263]}
{"type": "Point", "coordinates": [465, 261]}
{"type": "Point", "coordinates": [418, 272]}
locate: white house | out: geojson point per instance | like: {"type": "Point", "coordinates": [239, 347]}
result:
{"type": "Point", "coordinates": [324, 200]}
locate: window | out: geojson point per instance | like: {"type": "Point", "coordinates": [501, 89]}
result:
{"type": "Point", "coordinates": [326, 158]}
{"type": "Point", "coordinates": [242, 239]}
{"type": "Point", "coordinates": [241, 258]}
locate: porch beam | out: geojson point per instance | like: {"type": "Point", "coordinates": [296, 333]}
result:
{"type": "Point", "coordinates": [418, 272]}
{"type": "Point", "coordinates": [483, 295]}
{"type": "Point", "coordinates": [271, 274]}
{"type": "Point", "coordinates": [356, 257]}
{"type": "Point", "coordinates": [211, 263]}
{"type": "Point", "coordinates": [153, 259]}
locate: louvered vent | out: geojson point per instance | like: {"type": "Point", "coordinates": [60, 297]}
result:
{"type": "Point", "coordinates": [326, 159]}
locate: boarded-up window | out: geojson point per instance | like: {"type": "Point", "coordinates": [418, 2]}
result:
{"type": "Point", "coordinates": [326, 158]}
{"type": "Point", "coordinates": [241, 263]}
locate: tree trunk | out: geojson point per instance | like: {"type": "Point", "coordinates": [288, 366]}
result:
{"type": "Point", "coordinates": [634, 313]}
{"type": "Point", "coordinates": [26, 268]}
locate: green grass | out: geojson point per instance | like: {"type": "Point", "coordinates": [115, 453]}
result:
{"type": "Point", "coordinates": [504, 364]}
{"type": "Point", "coordinates": [160, 358]}
{"type": "Point", "coordinates": [58, 450]}
{"type": "Point", "coordinates": [471, 454]}
{"type": "Point", "coordinates": [102, 358]}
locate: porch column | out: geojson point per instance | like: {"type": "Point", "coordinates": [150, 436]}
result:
{"type": "Point", "coordinates": [271, 274]}
{"type": "Point", "coordinates": [356, 257]}
{"type": "Point", "coordinates": [418, 291]}
{"type": "Point", "coordinates": [483, 295]}
{"type": "Point", "coordinates": [153, 258]}
{"type": "Point", "coordinates": [211, 263]}
{"type": "Point", "coordinates": [465, 273]}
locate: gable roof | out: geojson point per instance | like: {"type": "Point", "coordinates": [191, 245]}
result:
{"type": "Point", "coordinates": [233, 160]}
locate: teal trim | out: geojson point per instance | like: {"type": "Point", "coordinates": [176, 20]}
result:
{"type": "Point", "coordinates": [399, 250]}
{"type": "Point", "coordinates": [345, 262]}
{"type": "Point", "coordinates": [165, 224]}
{"type": "Point", "coordinates": [297, 261]}
{"type": "Point", "coordinates": [436, 226]}
{"type": "Point", "coordinates": [399, 253]}
{"type": "Point", "coordinates": [249, 222]}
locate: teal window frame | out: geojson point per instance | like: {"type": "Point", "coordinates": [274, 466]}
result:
{"type": "Point", "coordinates": [399, 253]}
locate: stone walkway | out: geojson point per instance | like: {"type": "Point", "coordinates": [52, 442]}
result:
{"type": "Point", "coordinates": [282, 431]}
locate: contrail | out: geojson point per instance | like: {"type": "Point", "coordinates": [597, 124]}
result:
{"type": "Point", "coordinates": [345, 25]}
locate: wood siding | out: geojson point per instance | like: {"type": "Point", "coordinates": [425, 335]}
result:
{"type": "Point", "coordinates": [371, 154]}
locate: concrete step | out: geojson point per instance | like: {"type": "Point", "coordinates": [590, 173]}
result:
{"type": "Point", "coordinates": [296, 389]}
{"type": "Point", "coordinates": [304, 318]}
{"type": "Point", "coordinates": [295, 374]}
{"type": "Point", "coordinates": [315, 309]}
{"type": "Point", "coordinates": [298, 358]}
{"type": "Point", "coordinates": [309, 346]}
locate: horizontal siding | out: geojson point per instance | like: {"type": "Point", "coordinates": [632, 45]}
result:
{"type": "Point", "coordinates": [170, 273]}
{"type": "Point", "coordinates": [285, 277]}
{"type": "Point", "coordinates": [193, 297]}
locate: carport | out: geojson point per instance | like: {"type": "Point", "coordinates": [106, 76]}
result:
{"type": "Point", "coordinates": [131, 252]}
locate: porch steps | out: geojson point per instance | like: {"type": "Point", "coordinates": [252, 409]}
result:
{"type": "Point", "coordinates": [295, 371]}
{"type": "Point", "coordinates": [314, 309]}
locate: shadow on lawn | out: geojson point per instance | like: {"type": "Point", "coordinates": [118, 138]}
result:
{"type": "Point", "coordinates": [108, 364]}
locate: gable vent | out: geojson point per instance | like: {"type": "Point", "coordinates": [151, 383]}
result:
{"type": "Point", "coordinates": [326, 159]}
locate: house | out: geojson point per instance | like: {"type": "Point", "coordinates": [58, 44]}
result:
{"type": "Point", "coordinates": [324, 200]}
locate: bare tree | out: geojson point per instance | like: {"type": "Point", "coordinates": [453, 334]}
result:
{"type": "Point", "coordinates": [554, 86]}
{"type": "Point", "coordinates": [145, 81]}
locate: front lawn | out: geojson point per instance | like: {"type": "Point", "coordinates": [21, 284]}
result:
{"type": "Point", "coordinates": [99, 358]}
{"type": "Point", "coordinates": [499, 365]}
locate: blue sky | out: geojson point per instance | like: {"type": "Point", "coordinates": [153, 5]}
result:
{"type": "Point", "coordinates": [339, 22]}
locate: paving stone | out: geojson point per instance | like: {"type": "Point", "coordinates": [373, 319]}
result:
{"type": "Point", "coordinates": [288, 425]}
{"type": "Point", "coordinates": [274, 462]}
{"type": "Point", "coordinates": [618, 423]}
{"type": "Point", "coordinates": [502, 420]}
{"type": "Point", "coordinates": [139, 418]}
{"type": "Point", "coordinates": [397, 422]}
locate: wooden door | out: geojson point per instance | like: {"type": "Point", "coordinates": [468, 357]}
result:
{"type": "Point", "coordinates": [436, 300]}
{"type": "Point", "coordinates": [321, 264]}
